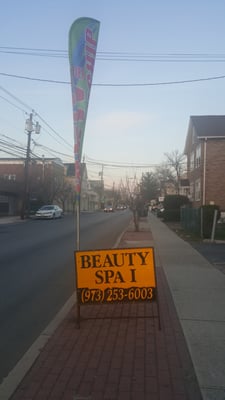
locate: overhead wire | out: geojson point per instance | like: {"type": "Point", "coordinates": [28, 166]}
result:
{"type": "Point", "coordinates": [21, 148]}
{"type": "Point", "coordinates": [10, 153]}
{"type": "Point", "coordinates": [50, 150]}
{"type": "Point", "coordinates": [12, 104]}
{"type": "Point", "coordinates": [118, 164]}
{"type": "Point", "coordinates": [53, 130]}
{"type": "Point", "coordinates": [210, 78]}
{"type": "Point", "coordinates": [15, 98]}
{"type": "Point", "coordinates": [110, 56]}
{"type": "Point", "coordinates": [18, 150]}
{"type": "Point", "coordinates": [120, 55]}
{"type": "Point", "coordinates": [36, 113]}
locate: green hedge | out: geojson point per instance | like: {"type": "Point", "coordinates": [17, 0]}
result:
{"type": "Point", "coordinates": [175, 201]}
{"type": "Point", "coordinates": [172, 204]}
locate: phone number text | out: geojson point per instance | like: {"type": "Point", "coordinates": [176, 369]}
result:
{"type": "Point", "coordinates": [110, 295]}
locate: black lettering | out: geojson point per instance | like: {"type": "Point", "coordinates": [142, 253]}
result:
{"type": "Point", "coordinates": [108, 275]}
{"type": "Point", "coordinates": [130, 257]}
{"type": "Point", "coordinates": [116, 261]}
{"type": "Point", "coordinates": [118, 277]}
{"type": "Point", "coordinates": [96, 261]}
{"type": "Point", "coordinates": [98, 275]}
{"type": "Point", "coordinates": [85, 261]}
{"type": "Point", "coordinates": [143, 257]}
{"type": "Point", "coordinates": [107, 262]}
{"type": "Point", "coordinates": [133, 279]}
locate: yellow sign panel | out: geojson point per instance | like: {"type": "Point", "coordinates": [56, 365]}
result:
{"type": "Point", "coordinates": [115, 275]}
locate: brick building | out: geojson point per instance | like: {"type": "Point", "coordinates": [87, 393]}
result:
{"type": "Point", "coordinates": [205, 151]}
{"type": "Point", "coordinates": [45, 180]}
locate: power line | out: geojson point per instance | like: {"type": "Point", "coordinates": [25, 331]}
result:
{"type": "Point", "coordinates": [120, 84]}
{"type": "Point", "coordinates": [34, 79]}
{"type": "Point", "coordinates": [19, 151]}
{"type": "Point", "coordinates": [15, 98]}
{"type": "Point", "coordinates": [37, 114]}
{"type": "Point", "coordinates": [118, 164]}
{"type": "Point", "coordinates": [120, 56]}
{"type": "Point", "coordinates": [12, 104]}
{"type": "Point", "coordinates": [11, 143]}
{"type": "Point", "coordinates": [162, 83]}
{"type": "Point", "coordinates": [53, 130]}
{"type": "Point", "coordinates": [10, 153]}
{"type": "Point", "coordinates": [50, 150]}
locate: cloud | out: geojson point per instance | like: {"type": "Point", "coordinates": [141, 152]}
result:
{"type": "Point", "coordinates": [119, 122]}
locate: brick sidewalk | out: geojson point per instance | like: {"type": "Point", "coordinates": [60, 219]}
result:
{"type": "Point", "coordinates": [118, 353]}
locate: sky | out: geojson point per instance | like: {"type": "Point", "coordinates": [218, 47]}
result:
{"type": "Point", "coordinates": [164, 56]}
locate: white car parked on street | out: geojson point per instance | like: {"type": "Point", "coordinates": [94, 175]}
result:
{"type": "Point", "coordinates": [49, 212]}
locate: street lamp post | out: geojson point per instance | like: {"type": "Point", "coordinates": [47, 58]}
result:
{"type": "Point", "coordinates": [29, 127]}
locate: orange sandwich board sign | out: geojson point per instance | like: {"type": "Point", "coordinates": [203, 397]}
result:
{"type": "Point", "coordinates": [115, 276]}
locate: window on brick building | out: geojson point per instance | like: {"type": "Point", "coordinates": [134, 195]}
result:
{"type": "Point", "coordinates": [198, 156]}
{"type": "Point", "coordinates": [192, 161]}
{"type": "Point", "coordinates": [193, 135]}
{"type": "Point", "coordinates": [9, 177]}
{"type": "Point", "coordinates": [191, 191]}
{"type": "Point", "coordinates": [197, 190]}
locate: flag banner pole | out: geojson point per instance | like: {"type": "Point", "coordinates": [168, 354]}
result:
{"type": "Point", "coordinates": [78, 223]}
{"type": "Point", "coordinates": [83, 38]}
{"type": "Point", "coordinates": [78, 247]}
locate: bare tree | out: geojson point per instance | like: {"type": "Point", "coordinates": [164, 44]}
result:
{"type": "Point", "coordinates": [164, 175]}
{"type": "Point", "coordinates": [176, 162]}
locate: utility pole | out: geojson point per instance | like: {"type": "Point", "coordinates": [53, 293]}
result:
{"type": "Point", "coordinates": [102, 187]}
{"type": "Point", "coordinates": [29, 127]}
{"type": "Point", "coordinates": [113, 195]}
{"type": "Point", "coordinates": [43, 169]}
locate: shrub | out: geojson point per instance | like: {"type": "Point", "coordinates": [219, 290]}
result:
{"type": "Point", "coordinates": [172, 205]}
{"type": "Point", "coordinates": [175, 201]}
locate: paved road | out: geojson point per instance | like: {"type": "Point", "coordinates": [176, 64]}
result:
{"type": "Point", "coordinates": [37, 274]}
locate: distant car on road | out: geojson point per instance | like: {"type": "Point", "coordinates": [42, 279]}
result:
{"type": "Point", "coordinates": [49, 212]}
{"type": "Point", "coordinates": [120, 207]}
{"type": "Point", "coordinates": [108, 209]}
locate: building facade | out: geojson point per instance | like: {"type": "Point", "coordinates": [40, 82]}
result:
{"type": "Point", "coordinates": [89, 196]}
{"type": "Point", "coordinates": [205, 151]}
{"type": "Point", "coordinates": [43, 184]}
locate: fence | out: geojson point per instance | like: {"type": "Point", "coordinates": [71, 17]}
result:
{"type": "Point", "coordinates": [190, 219]}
